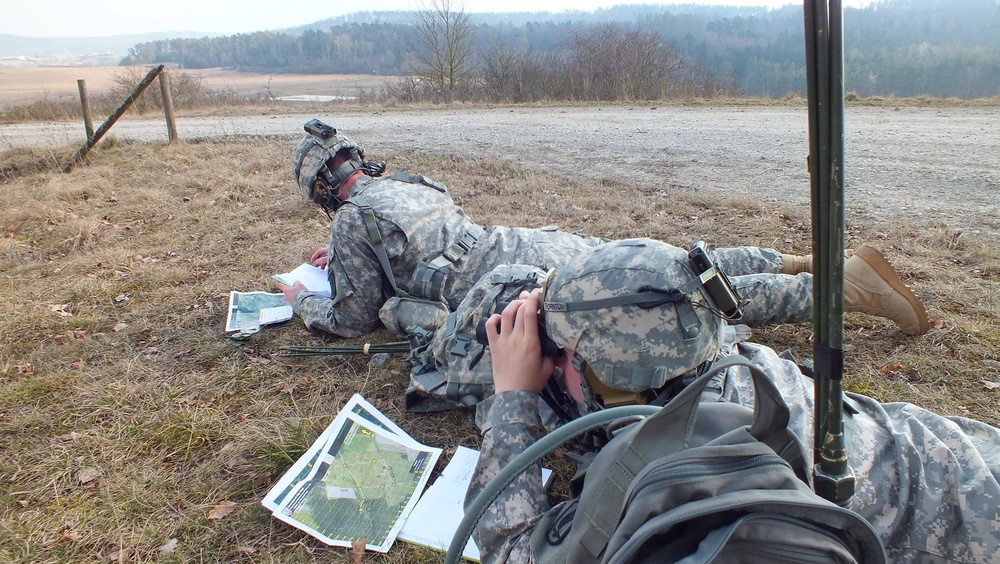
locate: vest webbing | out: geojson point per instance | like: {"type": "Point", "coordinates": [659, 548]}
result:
{"type": "Point", "coordinates": [368, 212]}
{"type": "Point", "coordinates": [427, 273]}
{"type": "Point", "coordinates": [429, 278]}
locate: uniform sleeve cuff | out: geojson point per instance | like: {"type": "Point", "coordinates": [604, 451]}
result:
{"type": "Point", "coordinates": [300, 297]}
{"type": "Point", "coordinates": [515, 407]}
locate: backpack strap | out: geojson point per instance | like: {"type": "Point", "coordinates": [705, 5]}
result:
{"type": "Point", "coordinates": [660, 435]}
{"type": "Point", "coordinates": [368, 212]}
{"type": "Point", "coordinates": [523, 461]}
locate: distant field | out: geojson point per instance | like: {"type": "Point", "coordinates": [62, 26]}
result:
{"type": "Point", "coordinates": [23, 85]}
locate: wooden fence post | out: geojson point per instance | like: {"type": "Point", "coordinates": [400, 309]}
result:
{"type": "Point", "coordinates": [88, 122]}
{"type": "Point", "coordinates": [125, 105]}
{"type": "Point", "coordinates": [168, 107]}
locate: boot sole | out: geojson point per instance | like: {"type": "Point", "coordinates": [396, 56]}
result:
{"type": "Point", "coordinates": [881, 266]}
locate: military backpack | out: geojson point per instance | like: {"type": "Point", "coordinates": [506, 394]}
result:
{"type": "Point", "coordinates": [695, 482]}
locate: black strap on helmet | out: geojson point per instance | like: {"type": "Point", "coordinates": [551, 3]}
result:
{"type": "Point", "coordinates": [331, 182]}
{"type": "Point", "coordinates": [647, 297]}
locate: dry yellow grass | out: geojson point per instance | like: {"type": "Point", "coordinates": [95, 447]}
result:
{"type": "Point", "coordinates": [20, 86]}
{"type": "Point", "coordinates": [126, 414]}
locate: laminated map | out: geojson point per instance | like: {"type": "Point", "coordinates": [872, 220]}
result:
{"type": "Point", "coordinates": [361, 478]}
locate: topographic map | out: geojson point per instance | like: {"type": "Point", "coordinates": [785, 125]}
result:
{"type": "Point", "coordinates": [360, 479]}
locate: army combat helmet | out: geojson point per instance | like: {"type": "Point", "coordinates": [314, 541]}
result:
{"type": "Point", "coordinates": [635, 312]}
{"type": "Point", "coordinates": [313, 157]}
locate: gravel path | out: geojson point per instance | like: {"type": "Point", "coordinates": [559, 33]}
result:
{"type": "Point", "coordinates": [927, 166]}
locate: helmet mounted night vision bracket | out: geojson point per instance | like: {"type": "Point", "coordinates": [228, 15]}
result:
{"type": "Point", "coordinates": [715, 283]}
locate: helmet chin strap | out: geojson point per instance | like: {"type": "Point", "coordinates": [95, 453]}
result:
{"type": "Point", "coordinates": [332, 181]}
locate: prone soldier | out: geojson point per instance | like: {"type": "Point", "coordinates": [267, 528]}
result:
{"type": "Point", "coordinates": [403, 236]}
{"type": "Point", "coordinates": [926, 483]}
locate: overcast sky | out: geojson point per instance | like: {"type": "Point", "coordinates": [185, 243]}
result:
{"type": "Point", "coordinates": [94, 18]}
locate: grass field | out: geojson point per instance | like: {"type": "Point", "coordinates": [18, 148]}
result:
{"type": "Point", "coordinates": [127, 416]}
{"type": "Point", "coordinates": [19, 86]}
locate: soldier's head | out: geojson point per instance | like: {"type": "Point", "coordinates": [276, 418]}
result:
{"type": "Point", "coordinates": [324, 160]}
{"type": "Point", "coordinates": [634, 315]}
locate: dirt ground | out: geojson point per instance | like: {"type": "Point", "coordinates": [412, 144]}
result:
{"type": "Point", "coordinates": [920, 165]}
{"type": "Point", "coordinates": [933, 166]}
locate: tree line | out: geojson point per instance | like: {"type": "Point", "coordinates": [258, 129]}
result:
{"type": "Point", "coordinates": [941, 48]}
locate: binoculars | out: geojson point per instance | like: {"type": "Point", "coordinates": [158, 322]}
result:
{"type": "Point", "coordinates": [549, 347]}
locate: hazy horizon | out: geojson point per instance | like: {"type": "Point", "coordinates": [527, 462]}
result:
{"type": "Point", "coordinates": [105, 18]}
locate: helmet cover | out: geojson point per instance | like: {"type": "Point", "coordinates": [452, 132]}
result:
{"type": "Point", "coordinates": [632, 346]}
{"type": "Point", "coordinates": [309, 164]}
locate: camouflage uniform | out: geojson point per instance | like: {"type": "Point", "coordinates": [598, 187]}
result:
{"type": "Point", "coordinates": [418, 221]}
{"type": "Point", "coordinates": [927, 483]}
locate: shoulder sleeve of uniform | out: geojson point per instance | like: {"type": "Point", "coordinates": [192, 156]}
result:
{"type": "Point", "coordinates": [355, 283]}
{"type": "Point", "coordinates": [502, 532]}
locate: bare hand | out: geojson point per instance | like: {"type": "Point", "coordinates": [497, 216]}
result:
{"type": "Point", "coordinates": [290, 291]}
{"type": "Point", "coordinates": [319, 258]}
{"type": "Point", "coordinates": [518, 363]}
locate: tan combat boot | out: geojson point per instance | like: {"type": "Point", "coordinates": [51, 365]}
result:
{"type": "Point", "coordinates": [872, 286]}
{"type": "Point", "coordinates": [794, 264]}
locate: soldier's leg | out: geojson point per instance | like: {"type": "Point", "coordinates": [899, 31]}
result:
{"type": "Point", "coordinates": [739, 261]}
{"type": "Point", "coordinates": [774, 298]}
{"type": "Point", "coordinates": [871, 286]}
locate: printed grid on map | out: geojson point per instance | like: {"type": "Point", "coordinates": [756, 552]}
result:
{"type": "Point", "coordinates": [365, 482]}
{"type": "Point", "coordinates": [360, 407]}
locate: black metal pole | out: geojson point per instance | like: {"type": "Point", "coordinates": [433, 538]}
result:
{"type": "Point", "coordinates": [824, 32]}
{"type": "Point", "coordinates": [815, 31]}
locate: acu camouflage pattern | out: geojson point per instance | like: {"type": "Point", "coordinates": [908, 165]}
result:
{"type": "Point", "coordinates": [769, 297]}
{"type": "Point", "coordinates": [418, 222]}
{"type": "Point", "coordinates": [633, 347]}
{"type": "Point", "coordinates": [311, 154]}
{"type": "Point", "coordinates": [926, 483]}
{"type": "Point", "coordinates": [449, 367]}
{"type": "Point", "coordinates": [512, 425]}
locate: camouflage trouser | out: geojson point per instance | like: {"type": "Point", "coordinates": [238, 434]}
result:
{"type": "Point", "coordinates": [928, 484]}
{"type": "Point", "coordinates": [771, 298]}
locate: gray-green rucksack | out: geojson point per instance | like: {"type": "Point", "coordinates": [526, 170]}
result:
{"type": "Point", "coordinates": [696, 482]}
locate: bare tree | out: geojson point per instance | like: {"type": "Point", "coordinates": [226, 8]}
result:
{"type": "Point", "coordinates": [612, 63]}
{"type": "Point", "coordinates": [509, 74]}
{"type": "Point", "coordinates": [444, 46]}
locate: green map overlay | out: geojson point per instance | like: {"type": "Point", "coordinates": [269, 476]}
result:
{"type": "Point", "coordinates": [362, 485]}
{"type": "Point", "coordinates": [357, 410]}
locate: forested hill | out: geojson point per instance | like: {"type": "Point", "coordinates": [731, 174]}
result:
{"type": "Point", "coordinates": [893, 47]}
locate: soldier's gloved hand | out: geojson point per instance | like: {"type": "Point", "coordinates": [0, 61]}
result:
{"type": "Point", "coordinates": [516, 349]}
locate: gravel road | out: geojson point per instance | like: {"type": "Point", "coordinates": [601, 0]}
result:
{"type": "Point", "coordinates": [923, 165]}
